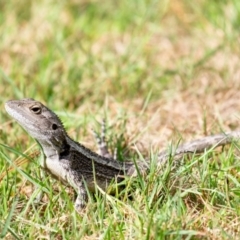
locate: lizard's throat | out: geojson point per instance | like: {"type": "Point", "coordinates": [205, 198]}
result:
{"type": "Point", "coordinates": [54, 147]}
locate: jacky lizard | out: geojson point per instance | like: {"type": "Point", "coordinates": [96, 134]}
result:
{"type": "Point", "coordinates": [76, 165]}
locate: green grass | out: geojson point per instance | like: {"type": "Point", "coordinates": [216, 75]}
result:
{"type": "Point", "coordinates": [160, 72]}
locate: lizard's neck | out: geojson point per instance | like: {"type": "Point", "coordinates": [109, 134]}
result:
{"type": "Point", "coordinates": [55, 146]}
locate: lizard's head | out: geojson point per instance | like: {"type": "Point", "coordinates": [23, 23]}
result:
{"type": "Point", "coordinates": [39, 121]}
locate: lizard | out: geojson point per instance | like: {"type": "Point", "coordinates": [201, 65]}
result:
{"type": "Point", "coordinates": [74, 164]}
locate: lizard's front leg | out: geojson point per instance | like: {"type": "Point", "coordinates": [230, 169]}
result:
{"type": "Point", "coordinates": [81, 199]}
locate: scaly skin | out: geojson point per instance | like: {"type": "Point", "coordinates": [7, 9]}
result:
{"type": "Point", "coordinates": [76, 165]}
{"type": "Point", "coordinates": [66, 160]}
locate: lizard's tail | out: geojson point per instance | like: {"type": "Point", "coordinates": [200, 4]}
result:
{"type": "Point", "coordinates": [195, 146]}
{"type": "Point", "coordinates": [198, 146]}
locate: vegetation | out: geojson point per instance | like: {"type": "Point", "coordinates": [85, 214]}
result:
{"type": "Point", "coordinates": [161, 72]}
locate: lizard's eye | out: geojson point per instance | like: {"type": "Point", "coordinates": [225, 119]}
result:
{"type": "Point", "coordinates": [36, 109]}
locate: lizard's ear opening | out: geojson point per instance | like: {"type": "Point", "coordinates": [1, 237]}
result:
{"type": "Point", "coordinates": [54, 126]}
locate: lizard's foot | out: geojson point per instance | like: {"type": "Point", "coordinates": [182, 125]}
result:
{"type": "Point", "coordinates": [102, 143]}
{"type": "Point", "coordinates": [81, 200]}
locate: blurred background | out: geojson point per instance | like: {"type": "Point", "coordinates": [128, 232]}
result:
{"type": "Point", "coordinates": [160, 72]}
{"type": "Point", "coordinates": [174, 63]}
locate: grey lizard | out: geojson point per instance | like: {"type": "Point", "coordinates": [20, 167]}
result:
{"type": "Point", "coordinates": [78, 166]}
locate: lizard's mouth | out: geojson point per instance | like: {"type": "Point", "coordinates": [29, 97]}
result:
{"type": "Point", "coordinates": [11, 111]}
{"type": "Point", "coordinates": [28, 125]}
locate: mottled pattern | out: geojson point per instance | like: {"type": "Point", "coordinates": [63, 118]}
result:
{"type": "Point", "coordinates": [67, 160]}
{"type": "Point", "coordinates": [80, 167]}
